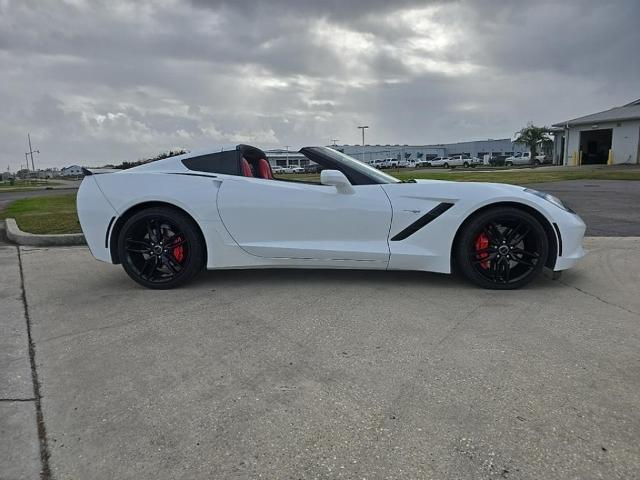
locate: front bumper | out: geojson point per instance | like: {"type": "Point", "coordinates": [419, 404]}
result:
{"type": "Point", "coordinates": [570, 250]}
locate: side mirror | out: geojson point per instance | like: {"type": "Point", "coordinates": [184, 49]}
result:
{"type": "Point", "coordinates": [337, 179]}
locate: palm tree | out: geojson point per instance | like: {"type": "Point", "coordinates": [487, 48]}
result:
{"type": "Point", "coordinates": [532, 136]}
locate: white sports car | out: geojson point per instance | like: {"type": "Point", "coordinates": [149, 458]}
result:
{"type": "Point", "coordinates": [167, 220]}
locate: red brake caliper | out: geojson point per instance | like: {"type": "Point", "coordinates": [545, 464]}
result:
{"type": "Point", "coordinates": [178, 252]}
{"type": "Point", "coordinates": [482, 242]}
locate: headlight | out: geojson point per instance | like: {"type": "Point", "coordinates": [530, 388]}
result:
{"type": "Point", "coordinates": [549, 198]}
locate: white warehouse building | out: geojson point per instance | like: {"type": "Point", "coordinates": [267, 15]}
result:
{"type": "Point", "coordinates": [611, 137]}
{"type": "Point", "coordinates": [499, 147]}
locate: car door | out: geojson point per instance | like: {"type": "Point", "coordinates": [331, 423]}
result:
{"type": "Point", "coordinates": [287, 219]}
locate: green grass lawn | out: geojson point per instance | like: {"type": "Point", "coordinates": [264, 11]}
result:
{"type": "Point", "coordinates": [55, 214]}
{"type": "Point", "coordinates": [26, 185]}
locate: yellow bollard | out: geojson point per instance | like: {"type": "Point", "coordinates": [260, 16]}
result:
{"type": "Point", "coordinates": [580, 158]}
{"type": "Point", "coordinates": [610, 158]}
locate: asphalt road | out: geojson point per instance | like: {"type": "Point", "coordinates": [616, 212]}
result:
{"type": "Point", "coordinates": [320, 374]}
{"type": "Point", "coordinates": [610, 208]}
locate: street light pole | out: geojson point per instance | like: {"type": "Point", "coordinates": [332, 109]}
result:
{"type": "Point", "coordinates": [287, 154]}
{"type": "Point", "coordinates": [31, 152]}
{"type": "Point", "coordinates": [363, 128]}
{"type": "Point", "coordinates": [334, 140]}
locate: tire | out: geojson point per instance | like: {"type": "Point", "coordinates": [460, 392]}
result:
{"type": "Point", "coordinates": [161, 248]}
{"type": "Point", "coordinates": [465, 164]}
{"type": "Point", "coordinates": [446, 165]}
{"type": "Point", "coordinates": [503, 248]}
{"type": "Point", "coordinates": [509, 164]}
{"type": "Point", "coordinates": [536, 162]}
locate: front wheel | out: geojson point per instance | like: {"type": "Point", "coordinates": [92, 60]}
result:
{"type": "Point", "coordinates": [160, 248]}
{"type": "Point", "coordinates": [509, 164]}
{"type": "Point", "coordinates": [446, 165]}
{"type": "Point", "coordinates": [503, 248]}
{"type": "Point", "coordinates": [465, 164]}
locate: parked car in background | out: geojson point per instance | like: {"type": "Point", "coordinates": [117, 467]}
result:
{"type": "Point", "coordinates": [277, 169]}
{"type": "Point", "coordinates": [407, 164]}
{"type": "Point", "coordinates": [390, 163]}
{"type": "Point", "coordinates": [525, 159]}
{"type": "Point", "coordinates": [312, 169]}
{"type": "Point", "coordinates": [439, 162]}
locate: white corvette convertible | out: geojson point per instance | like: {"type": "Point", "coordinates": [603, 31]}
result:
{"type": "Point", "coordinates": [167, 220]}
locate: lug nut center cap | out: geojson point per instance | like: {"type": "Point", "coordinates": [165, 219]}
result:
{"type": "Point", "coordinates": [503, 250]}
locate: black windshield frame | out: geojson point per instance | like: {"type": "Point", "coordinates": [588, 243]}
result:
{"type": "Point", "coordinates": [358, 173]}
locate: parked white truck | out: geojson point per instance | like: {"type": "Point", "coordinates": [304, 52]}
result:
{"type": "Point", "coordinates": [525, 159]}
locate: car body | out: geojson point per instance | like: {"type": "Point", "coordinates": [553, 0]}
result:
{"type": "Point", "coordinates": [439, 162]}
{"type": "Point", "coordinates": [166, 220]}
{"type": "Point", "coordinates": [312, 168]}
{"type": "Point", "coordinates": [390, 163]}
{"type": "Point", "coordinates": [298, 170]}
{"type": "Point", "coordinates": [407, 164]}
{"type": "Point", "coordinates": [277, 169]}
{"type": "Point", "coordinates": [524, 158]}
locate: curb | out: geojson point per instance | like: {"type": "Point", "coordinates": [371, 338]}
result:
{"type": "Point", "coordinates": [24, 238]}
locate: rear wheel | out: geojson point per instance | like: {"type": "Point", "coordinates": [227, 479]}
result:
{"type": "Point", "coordinates": [509, 164]}
{"type": "Point", "coordinates": [446, 165]}
{"type": "Point", "coordinates": [160, 248]}
{"type": "Point", "coordinates": [465, 164]}
{"type": "Point", "coordinates": [503, 248]}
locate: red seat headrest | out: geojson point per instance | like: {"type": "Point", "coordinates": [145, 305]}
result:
{"type": "Point", "coordinates": [264, 169]}
{"type": "Point", "coordinates": [246, 168]}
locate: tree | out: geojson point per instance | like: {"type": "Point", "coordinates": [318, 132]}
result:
{"type": "Point", "coordinates": [532, 136]}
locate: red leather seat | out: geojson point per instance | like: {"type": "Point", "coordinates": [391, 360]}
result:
{"type": "Point", "coordinates": [246, 169]}
{"type": "Point", "coordinates": [264, 169]}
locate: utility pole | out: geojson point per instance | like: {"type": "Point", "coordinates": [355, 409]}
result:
{"type": "Point", "coordinates": [31, 152]}
{"type": "Point", "coordinates": [334, 140]}
{"type": "Point", "coordinates": [363, 128]}
{"type": "Point", "coordinates": [287, 154]}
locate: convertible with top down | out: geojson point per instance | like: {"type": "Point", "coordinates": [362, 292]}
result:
{"type": "Point", "coordinates": [166, 220]}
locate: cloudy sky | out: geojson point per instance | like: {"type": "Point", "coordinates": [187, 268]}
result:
{"type": "Point", "coordinates": [100, 81]}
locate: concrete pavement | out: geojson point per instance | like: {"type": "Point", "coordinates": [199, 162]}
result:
{"type": "Point", "coordinates": [610, 208]}
{"type": "Point", "coordinates": [19, 444]}
{"type": "Point", "coordinates": [334, 374]}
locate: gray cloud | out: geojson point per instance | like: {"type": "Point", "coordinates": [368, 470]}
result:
{"type": "Point", "coordinates": [106, 81]}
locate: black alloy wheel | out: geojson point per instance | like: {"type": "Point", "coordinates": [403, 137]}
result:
{"type": "Point", "coordinates": [503, 248]}
{"type": "Point", "coordinates": [160, 248]}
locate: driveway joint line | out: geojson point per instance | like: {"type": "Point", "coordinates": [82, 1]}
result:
{"type": "Point", "coordinates": [45, 472]}
{"type": "Point", "coordinates": [9, 400]}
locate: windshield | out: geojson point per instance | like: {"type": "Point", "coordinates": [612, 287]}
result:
{"type": "Point", "coordinates": [357, 165]}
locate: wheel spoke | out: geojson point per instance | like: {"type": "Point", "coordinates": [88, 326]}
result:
{"type": "Point", "coordinates": [518, 238]}
{"type": "Point", "coordinates": [149, 262]}
{"type": "Point", "coordinates": [173, 265]}
{"type": "Point", "coordinates": [522, 261]}
{"type": "Point", "coordinates": [138, 246]}
{"type": "Point", "coordinates": [149, 230]}
{"type": "Point", "coordinates": [158, 232]}
{"type": "Point", "coordinates": [524, 252]}
{"type": "Point", "coordinates": [504, 269]}
{"type": "Point", "coordinates": [173, 242]}
{"type": "Point", "coordinates": [475, 260]}
{"type": "Point", "coordinates": [493, 232]}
